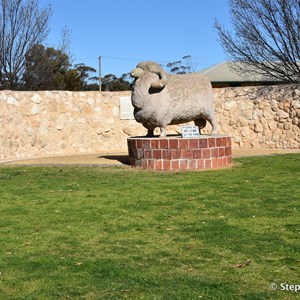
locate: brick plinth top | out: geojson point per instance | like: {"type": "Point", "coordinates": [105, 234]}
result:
{"type": "Point", "coordinates": [176, 153]}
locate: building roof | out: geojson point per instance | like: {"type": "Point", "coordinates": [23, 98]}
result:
{"type": "Point", "coordinates": [223, 73]}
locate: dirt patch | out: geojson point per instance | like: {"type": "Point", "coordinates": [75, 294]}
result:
{"type": "Point", "coordinates": [117, 158]}
{"type": "Point", "coordinates": [83, 159]}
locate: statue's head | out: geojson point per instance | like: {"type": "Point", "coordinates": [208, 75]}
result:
{"type": "Point", "coordinates": [149, 66]}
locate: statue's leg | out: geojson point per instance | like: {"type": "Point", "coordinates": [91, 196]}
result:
{"type": "Point", "coordinates": [212, 120]}
{"type": "Point", "coordinates": [163, 132]}
{"type": "Point", "coordinates": [150, 133]}
{"type": "Point", "coordinates": [200, 123]}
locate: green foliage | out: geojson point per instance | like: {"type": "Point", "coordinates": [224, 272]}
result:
{"type": "Point", "coordinates": [85, 78]}
{"type": "Point", "coordinates": [79, 79]}
{"type": "Point", "coordinates": [183, 66]}
{"type": "Point", "coordinates": [50, 69]}
{"type": "Point", "coordinates": [111, 82]}
{"type": "Point", "coordinates": [72, 81]}
{"type": "Point", "coordinates": [118, 233]}
{"type": "Point", "coordinates": [45, 69]}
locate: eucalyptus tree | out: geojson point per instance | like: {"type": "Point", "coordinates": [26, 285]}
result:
{"type": "Point", "coordinates": [47, 69]}
{"type": "Point", "coordinates": [183, 66]}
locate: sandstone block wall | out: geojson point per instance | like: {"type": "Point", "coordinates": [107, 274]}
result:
{"type": "Point", "coordinates": [260, 117]}
{"type": "Point", "coordinates": [38, 124]}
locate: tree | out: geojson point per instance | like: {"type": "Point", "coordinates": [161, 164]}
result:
{"type": "Point", "coordinates": [46, 69]}
{"type": "Point", "coordinates": [22, 25]}
{"type": "Point", "coordinates": [111, 82]}
{"type": "Point", "coordinates": [65, 42]}
{"type": "Point", "coordinates": [50, 69]}
{"type": "Point", "coordinates": [183, 66]}
{"type": "Point", "coordinates": [84, 75]}
{"type": "Point", "coordinates": [72, 81]}
{"type": "Point", "coordinates": [266, 39]}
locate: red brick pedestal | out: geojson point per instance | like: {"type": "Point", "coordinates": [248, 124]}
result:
{"type": "Point", "coordinates": [177, 153]}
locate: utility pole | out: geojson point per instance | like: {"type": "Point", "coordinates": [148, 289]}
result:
{"type": "Point", "coordinates": [100, 72]}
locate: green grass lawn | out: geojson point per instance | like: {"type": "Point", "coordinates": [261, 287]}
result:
{"type": "Point", "coordinates": [120, 233]}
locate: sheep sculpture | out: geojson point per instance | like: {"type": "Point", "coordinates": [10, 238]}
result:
{"type": "Point", "coordinates": [162, 99]}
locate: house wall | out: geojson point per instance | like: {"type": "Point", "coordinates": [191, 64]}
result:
{"type": "Point", "coordinates": [38, 124]}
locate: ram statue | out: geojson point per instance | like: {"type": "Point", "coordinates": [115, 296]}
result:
{"type": "Point", "coordinates": [162, 99]}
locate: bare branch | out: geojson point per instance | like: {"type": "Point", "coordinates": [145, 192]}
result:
{"type": "Point", "coordinates": [65, 42]}
{"type": "Point", "coordinates": [22, 25]}
{"type": "Point", "coordinates": [266, 38]}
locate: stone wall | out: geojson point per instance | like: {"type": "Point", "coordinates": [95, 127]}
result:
{"type": "Point", "coordinates": [260, 117]}
{"type": "Point", "coordinates": [38, 124]}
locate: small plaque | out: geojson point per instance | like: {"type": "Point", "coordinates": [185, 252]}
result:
{"type": "Point", "coordinates": [126, 108]}
{"type": "Point", "coordinates": [189, 131]}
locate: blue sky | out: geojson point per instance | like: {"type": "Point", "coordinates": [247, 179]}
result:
{"type": "Point", "coordinates": [125, 32]}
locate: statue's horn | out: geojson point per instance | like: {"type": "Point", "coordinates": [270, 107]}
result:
{"type": "Point", "coordinates": [163, 78]}
{"type": "Point", "coordinates": [157, 69]}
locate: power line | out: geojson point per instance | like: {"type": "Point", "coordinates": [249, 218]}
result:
{"type": "Point", "coordinates": [85, 58]}
{"type": "Point", "coordinates": [139, 59]}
